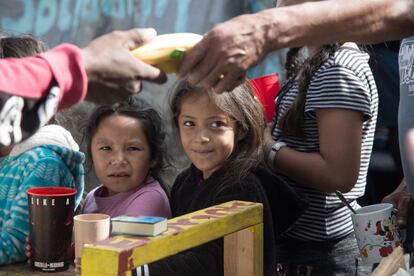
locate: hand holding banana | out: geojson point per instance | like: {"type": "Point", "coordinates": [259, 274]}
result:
{"type": "Point", "coordinates": [166, 52]}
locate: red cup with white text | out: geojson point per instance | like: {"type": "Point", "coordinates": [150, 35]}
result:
{"type": "Point", "coordinates": [51, 211]}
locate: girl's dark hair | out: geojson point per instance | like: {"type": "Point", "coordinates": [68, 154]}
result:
{"type": "Point", "coordinates": [152, 126]}
{"type": "Point", "coordinates": [291, 122]}
{"type": "Point", "coordinates": [21, 46]}
{"type": "Point", "coordinates": [241, 105]}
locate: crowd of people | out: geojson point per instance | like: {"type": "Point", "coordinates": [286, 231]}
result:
{"type": "Point", "coordinates": [319, 141]}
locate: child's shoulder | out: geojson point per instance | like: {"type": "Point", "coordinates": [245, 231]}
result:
{"type": "Point", "coordinates": [50, 154]}
{"type": "Point", "coordinates": [34, 155]}
{"type": "Point", "coordinates": [347, 57]}
{"type": "Point", "coordinates": [152, 187]}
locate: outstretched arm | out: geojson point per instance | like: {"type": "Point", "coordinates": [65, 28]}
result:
{"type": "Point", "coordinates": [228, 50]}
{"type": "Point", "coordinates": [105, 68]}
{"type": "Point", "coordinates": [339, 21]}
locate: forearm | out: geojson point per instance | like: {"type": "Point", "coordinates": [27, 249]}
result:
{"type": "Point", "coordinates": [314, 171]}
{"type": "Point", "coordinates": [67, 66]}
{"type": "Point", "coordinates": [331, 21]}
{"type": "Point", "coordinates": [33, 77]}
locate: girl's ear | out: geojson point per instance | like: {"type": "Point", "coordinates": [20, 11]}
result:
{"type": "Point", "coordinates": [153, 163]}
{"type": "Point", "coordinates": [241, 134]}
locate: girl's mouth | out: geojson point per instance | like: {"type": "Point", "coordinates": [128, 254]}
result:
{"type": "Point", "coordinates": [119, 175]}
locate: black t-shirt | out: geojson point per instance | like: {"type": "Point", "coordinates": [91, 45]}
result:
{"type": "Point", "coordinates": [191, 193]}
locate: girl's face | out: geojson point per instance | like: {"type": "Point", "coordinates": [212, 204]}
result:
{"type": "Point", "coordinates": [207, 133]}
{"type": "Point", "coordinates": [120, 153]}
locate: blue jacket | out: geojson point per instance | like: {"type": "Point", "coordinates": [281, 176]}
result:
{"type": "Point", "coordinates": [41, 165]}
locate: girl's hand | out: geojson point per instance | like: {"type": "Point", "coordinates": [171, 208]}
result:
{"type": "Point", "coordinates": [28, 251]}
{"type": "Point", "coordinates": [268, 141]}
{"type": "Point", "coordinates": [78, 266]}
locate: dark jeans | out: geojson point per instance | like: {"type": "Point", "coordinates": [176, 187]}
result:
{"type": "Point", "coordinates": [338, 257]}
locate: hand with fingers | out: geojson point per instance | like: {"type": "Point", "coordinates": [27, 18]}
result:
{"type": "Point", "coordinates": [28, 251]}
{"type": "Point", "coordinates": [78, 268]}
{"type": "Point", "coordinates": [402, 201]}
{"type": "Point", "coordinates": [221, 59]}
{"type": "Point", "coordinates": [113, 72]}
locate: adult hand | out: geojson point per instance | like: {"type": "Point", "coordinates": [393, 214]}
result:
{"type": "Point", "coordinates": [403, 202]}
{"type": "Point", "coordinates": [220, 60]}
{"type": "Point", "coordinates": [113, 73]}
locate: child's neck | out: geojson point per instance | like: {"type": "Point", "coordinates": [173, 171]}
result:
{"type": "Point", "coordinates": [106, 192]}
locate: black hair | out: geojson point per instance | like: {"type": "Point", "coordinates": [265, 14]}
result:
{"type": "Point", "coordinates": [242, 106]}
{"type": "Point", "coordinates": [21, 46]}
{"type": "Point", "coordinates": [291, 122]}
{"type": "Point", "coordinates": [152, 127]}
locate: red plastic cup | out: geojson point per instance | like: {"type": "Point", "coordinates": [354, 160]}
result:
{"type": "Point", "coordinates": [51, 211]}
{"type": "Point", "coordinates": [266, 89]}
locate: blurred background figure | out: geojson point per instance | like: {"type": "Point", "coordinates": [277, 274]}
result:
{"type": "Point", "coordinates": [385, 170]}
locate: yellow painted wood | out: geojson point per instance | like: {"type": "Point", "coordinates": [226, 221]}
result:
{"type": "Point", "coordinates": [243, 252]}
{"type": "Point", "coordinates": [119, 254]}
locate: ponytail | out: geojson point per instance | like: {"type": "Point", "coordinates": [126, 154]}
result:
{"type": "Point", "coordinates": [292, 121]}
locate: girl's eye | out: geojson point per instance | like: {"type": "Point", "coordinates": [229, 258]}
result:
{"type": "Point", "coordinates": [217, 124]}
{"type": "Point", "coordinates": [188, 123]}
{"type": "Point", "coordinates": [105, 148]}
{"type": "Point", "coordinates": [134, 148]}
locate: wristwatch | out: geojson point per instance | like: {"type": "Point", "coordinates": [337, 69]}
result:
{"type": "Point", "coordinates": [275, 149]}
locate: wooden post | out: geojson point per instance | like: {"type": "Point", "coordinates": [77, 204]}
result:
{"type": "Point", "coordinates": [121, 253]}
{"type": "Point", "coordinates": [243, 252]}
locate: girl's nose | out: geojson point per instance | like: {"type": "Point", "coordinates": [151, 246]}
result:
{"type": "Point", "coordinates": [202, 137]}
{"type": "Point", "coordinates": [117, 161]}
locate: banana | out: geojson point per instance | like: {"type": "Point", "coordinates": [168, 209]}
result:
{"type": "Point", "coordinates": [166, 51]}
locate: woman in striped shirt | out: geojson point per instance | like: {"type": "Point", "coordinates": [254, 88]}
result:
{"type": "Point", "coordinates": [321, 141]}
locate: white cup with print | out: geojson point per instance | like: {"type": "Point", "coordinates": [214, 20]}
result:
{"type": "Point", "coordinates": [376, 231]}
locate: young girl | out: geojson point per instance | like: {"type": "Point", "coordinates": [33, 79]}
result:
{"type": "Point", "coordinates": [321, 142]}
{"type": "Point", "coordinates": [222, 136]}
{"type": "Point", "coordinates": [125, 144]}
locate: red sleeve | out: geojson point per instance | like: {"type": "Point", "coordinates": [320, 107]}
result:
{"type": "Point", "coordinates": [32, 77]}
